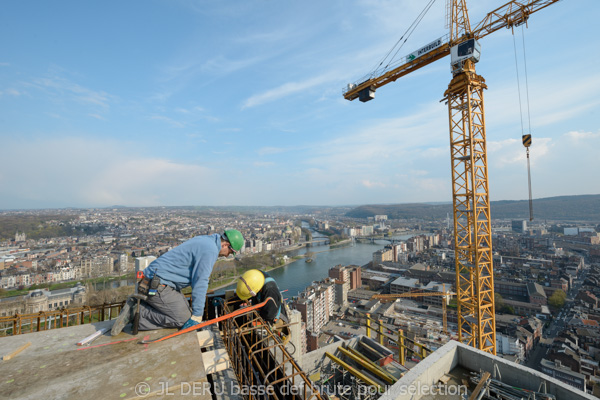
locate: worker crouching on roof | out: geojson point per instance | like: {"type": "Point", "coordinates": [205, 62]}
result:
{"type": "Point", "coordinates": [256, 286]}
{"type": "Point", "coordinates": [189, 264]}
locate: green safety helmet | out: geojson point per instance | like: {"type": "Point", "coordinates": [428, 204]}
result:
{"type": "Point", "coordinates": [235, 239]}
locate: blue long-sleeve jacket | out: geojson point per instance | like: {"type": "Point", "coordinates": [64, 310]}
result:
{"type": "Point", "coordinates": [189, 264]}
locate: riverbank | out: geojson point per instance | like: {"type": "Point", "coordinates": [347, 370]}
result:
{"type": "Point", "coordinates": [231, 280]}
{"type": "Point", "coordinates": [341, 243]}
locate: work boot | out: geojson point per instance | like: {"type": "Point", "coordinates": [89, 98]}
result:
{"type": "Point", "coordinates": [125, 317]}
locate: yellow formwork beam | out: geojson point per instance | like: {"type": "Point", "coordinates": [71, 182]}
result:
{"type": "Point", "coordinates": [370, 365]}
{"type": "Point", "coordinates": [381, 369]}
{"type": "Point", "coordinates": [355, 372]}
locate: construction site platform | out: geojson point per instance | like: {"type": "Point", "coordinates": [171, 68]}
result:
{"type": "Point", "coordinates": [53, 366]}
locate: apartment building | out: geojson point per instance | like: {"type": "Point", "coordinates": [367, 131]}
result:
{"type": "Point", "coordinates": [316, 305]}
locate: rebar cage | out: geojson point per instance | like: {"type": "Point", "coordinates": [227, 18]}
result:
{"type": "Point", "coordinates": [263, 366]}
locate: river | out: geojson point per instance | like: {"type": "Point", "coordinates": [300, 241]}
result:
{"type": "Point", "coordinates": [297, 275]}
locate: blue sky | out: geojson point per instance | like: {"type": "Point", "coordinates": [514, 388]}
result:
{"type": "Point", "coordinates": [145, 103]}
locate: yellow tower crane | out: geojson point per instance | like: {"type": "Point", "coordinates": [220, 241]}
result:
{"type": "Point", "coordinates": [470, 189]}
{"type": "Point", "coordinates": [445, 296]}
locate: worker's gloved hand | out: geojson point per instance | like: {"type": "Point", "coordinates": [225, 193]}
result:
{"type": "Point", "coordinates": [194, 320]}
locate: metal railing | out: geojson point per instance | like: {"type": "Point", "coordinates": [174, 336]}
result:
{"type": "Point", "coordinates": [45, 320]}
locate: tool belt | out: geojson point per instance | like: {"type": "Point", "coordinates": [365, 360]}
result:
{"type": "Point", "coordinates": [148, 287]}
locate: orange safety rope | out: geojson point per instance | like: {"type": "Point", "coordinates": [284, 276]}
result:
{"type": "Point", "coordinates": [236, 313]}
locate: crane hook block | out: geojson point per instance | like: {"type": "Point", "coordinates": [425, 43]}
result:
{"type": "Point", "coordinates": [526, 140]}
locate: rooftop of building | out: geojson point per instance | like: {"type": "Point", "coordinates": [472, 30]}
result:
{"type": "Point", "coordinates": [535, 289]}
{"type": "Point", "coordinates": [564, 369]}
{"type": "Point", "coordinates": [50, 364]}
{"type": "Point", "coordinates": [448, 365]}
{"type": "Point", "coordinates": [407, 282]}
{"type": "Point", "coordinates": [53, 366]}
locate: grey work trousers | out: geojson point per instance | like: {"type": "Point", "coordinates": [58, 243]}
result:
{"type": "Point", "coordinates": [168, 308]}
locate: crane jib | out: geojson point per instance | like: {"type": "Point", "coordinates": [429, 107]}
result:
{"type": "Point", "coordinates": [425, 49]}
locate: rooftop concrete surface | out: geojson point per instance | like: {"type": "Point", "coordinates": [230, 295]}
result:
{"type": "Point", "coordinates": [118, 367]}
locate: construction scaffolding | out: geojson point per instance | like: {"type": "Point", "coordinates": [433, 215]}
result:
{"type": "Point", "coordinates": [260, 360]}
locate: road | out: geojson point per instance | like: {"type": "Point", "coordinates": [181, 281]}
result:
{"type": "Point", "coordinates": [536, 356]}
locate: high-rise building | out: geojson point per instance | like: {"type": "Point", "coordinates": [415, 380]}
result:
{"type": "Point", "coordinates": [142, 262]}
{"type": "Point", "coordinates": [383, 255]}
{"type": "Point", "coordinates": [355, 278]}
{"type": "Point", "coordinates": [123, 262]}
{"type": "Point", "coordinates": [339, 272]}
{"type": "Point", "coordinates": [341, 293]}
{"type": "Point", "coordinates": [316, 305]}
{"type": "Point", "coordinates": [519, 226]}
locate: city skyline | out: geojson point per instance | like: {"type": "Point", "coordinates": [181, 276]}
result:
{"type": "Point", "coordinates": [194, 103]}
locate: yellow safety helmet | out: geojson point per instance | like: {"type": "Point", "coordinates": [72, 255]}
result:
{"type": "Point", "coordinates": [249, 284]}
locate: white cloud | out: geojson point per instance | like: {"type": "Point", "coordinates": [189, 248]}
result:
{"type": "Point", "coordinates": [389, 143]}
{"type": "Point", "coordinates": [180, 73]}
{"type": "Point", "coordinates": [196, 113]}
{"type": "Point", "coordinates": [263, 164]}
{"type": "Point", "coordinates": [221, 65]}
{"type": "Point", "coordinates": [58, 87]}
{"type": "Point", "coordinates": [65, 172]}
{"type": "Point", "coordinates": [550, 100]}
{"type": "Point", "coordinates": [285, 90]}
{"type": "Point", "coordinates": [507, 153]}
{"type": "Point", "coordinates": [270, 150]}
{"type": "Point", "coordinates": [146, 182]}
{"type": "Point", "coordinates": [197, 136]}
{"type": "Point", "coordinates": [582, 136]}
{"type": "Point", "coordinates": [371, 184]}
{"type": "Point", "coordinates": [168, 120]}
{"type": "Point", "coordinates": [272, 37]}
{"type": "Point", "coordinates": [416, 172]}
{"type": "Point", "coordinates": [11, 92]}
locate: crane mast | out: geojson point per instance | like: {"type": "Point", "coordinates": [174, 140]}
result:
{"type": "Point", "coordinates": [459, 20]}
{"type": "Point", "coordinates": [470, 192]}
{"type": "Point", "coordinates": [471, 208]}
{"type": "Point", "coordinates": [468, 153]}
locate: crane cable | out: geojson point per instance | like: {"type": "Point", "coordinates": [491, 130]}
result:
{"type": "Point", "coordinates": [525, 137]}
{"type": "Point", "coordinates": [409, 31]}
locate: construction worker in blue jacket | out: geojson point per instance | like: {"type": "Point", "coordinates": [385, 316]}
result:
{"type": "Point", "coordinates": [189, 264]}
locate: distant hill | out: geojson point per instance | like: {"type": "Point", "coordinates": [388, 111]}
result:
{"type": "Point", "coordinates": [561, 208]}
{"type": "Point", "coordinates": [35, 226]}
